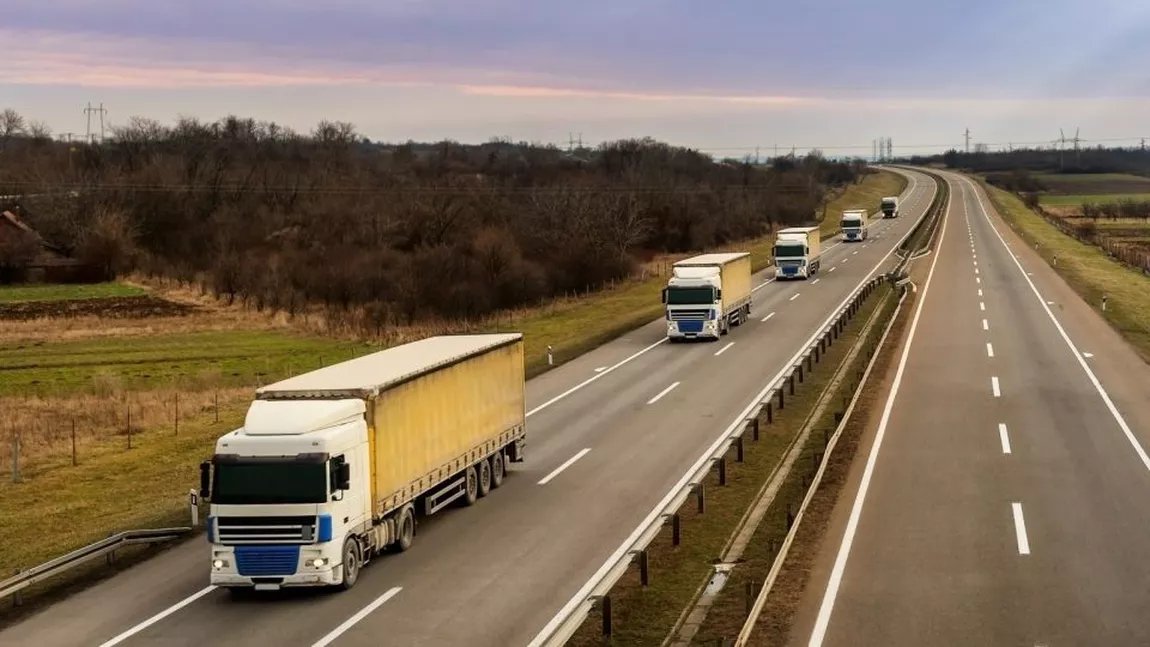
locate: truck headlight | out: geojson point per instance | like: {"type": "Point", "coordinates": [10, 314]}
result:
{"type": "Point", "coordinates": [220, 563]}
{"type": "Point", "coordinates": [318, 562]}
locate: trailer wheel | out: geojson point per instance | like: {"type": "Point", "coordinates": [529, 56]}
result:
{"type": "Point", "coordinates": [498, 468]}
{"type": "Point", "coordinates": [472, 487]}
{"type": "Point", "coordinates": [351, 563]}
{"type": "Point", "coordinates": [405, 527]}
{"type": "Point", "coordinates": [484, 469]}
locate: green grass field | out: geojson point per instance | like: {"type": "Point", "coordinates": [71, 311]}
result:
{"type": "Point", "coordinates": [142, 363]}
{"type": "Point", "coordinates": [26, 293]}
{"type": "Point", "coordinates": [1093, 184]}
{"type": "Point", "coordinates": [1077, 200]}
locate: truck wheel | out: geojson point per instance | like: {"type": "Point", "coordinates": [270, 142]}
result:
{"type": "Point", "coordinates": [497, 469]}
{"type": "Point", "coordinates": [472, 487]}
{"type": "Point", "coordinates": [484, 469]}
{"type": "Point", "coordinates": [405, 527]}
{"type": "Point", "coordinates": [351, 563]}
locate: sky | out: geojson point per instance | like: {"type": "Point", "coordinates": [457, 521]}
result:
{"type": "Point", "coordinates": [725, 76]}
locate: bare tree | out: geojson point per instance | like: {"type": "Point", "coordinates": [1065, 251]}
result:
{"type": "Point", "coordinates": [11, 125]}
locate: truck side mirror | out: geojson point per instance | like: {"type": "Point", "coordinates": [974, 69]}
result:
{"type": "Point", "coordinates": [664, 296]}
{"type": "Point", "coordinates": [719, 293]}
{"type": "Point", "coordinates": [205, 479]}
{"type": "Point", "coordinates": [343, 477]}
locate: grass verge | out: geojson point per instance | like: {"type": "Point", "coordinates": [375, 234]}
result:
{"type": "Point", "coordinates": [1087, 269]}
{"type": "Point", "coordinates": [645, 615]}
{"type": "Point", "coordinates": [52, 292]}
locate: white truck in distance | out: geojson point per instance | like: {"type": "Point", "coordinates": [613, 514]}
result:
{"type": "Point", "coordinates": [708, 294]}
{"type": "Point", "coordinates": [332, 466]}
{"type": "Point", "coordinates": [854, 224]}
{"type": "Point", "coordinates": [890, 207]}
{"type": "Point", "coordinates": [797, 252]}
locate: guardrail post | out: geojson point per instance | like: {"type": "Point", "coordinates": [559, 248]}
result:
{"type": "Point", "coordinates": [194, 507]}
{"type": "Point", "coordinates": [722, 470]}
{"type": "Point", "coordinates": [782, 400]}
{"type": "Point", "coordinates": [827, 432]}
{"type": "Point", "coordinates": [752, 593]}
{"type": "Point", "coordinates": [810, 361]}
{"type": "Point", "coordinates": [739, 448]}
{"type": "Point", "coordinates": [770, 418]}
{"type": "Point", "coordinates": [676, 529]}
{"type": "Point", "coordinates": [605, 610]}
{"type": "Point", "coordinates": [701, 497]}
{"type": "Point", "coordinates": [799, 368]}
{"type": "Point", "coordinates": [644, 568]}
{"type": "Point", "coordinates": [790, 517]}
{"type": "Point", "coordinates": [818, 350]}
{"type": "Point", "coordinates": [792, 381]}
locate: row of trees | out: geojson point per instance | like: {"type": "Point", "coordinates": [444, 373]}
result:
{"type": "Point", "coordinates": [1095, 159]}
{"type": "Point", "coordinates": [283, 220]}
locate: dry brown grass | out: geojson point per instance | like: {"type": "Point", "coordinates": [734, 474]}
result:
{"type": "Point", "coordinates": [44, 425]}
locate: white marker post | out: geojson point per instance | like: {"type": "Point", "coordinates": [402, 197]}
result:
{"type": "Point", "coordinates": [550, 357]}
{"type": "Point", "coordinates": [194, 507]}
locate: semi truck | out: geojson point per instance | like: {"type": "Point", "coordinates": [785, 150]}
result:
{"type": "Point", "coordinates": [890, 207]}
{"type": "Point", "coordinates": [708, 294]}
{"type": "Point", "coordinates": [333, 466]}
{"type": "Point", "coordinates": [854, 224]}
{"type": "Point", "coordinates": [797, 253]}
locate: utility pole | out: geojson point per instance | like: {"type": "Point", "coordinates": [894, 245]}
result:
{"type": "Point", "coordinates": [967, 135]}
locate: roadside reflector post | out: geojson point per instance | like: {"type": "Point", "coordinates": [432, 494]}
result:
{"type": "Point", "coordinates": [550, 356]}
{"type": "Point", "coordinates": [194, 507]}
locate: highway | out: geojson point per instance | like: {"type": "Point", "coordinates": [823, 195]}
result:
{"type": "Point", "coordinates": [1003, 499]}
{"type": "Point", "coordinates": [608, 434]}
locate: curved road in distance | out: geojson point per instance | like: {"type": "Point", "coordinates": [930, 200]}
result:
{"type": "Point", "coordinates": [608, 434]}
{"type": "Point", "coordinates": [1009, 501]}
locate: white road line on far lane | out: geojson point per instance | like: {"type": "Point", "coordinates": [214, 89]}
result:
{"type": "Point", "coordinates": [985, 324]}
{"type": "Point", "coordinates": [982, 306]}
{"type": "Point", "coordinates": [159, 616]}
{"type": "Point", "coordinates": [663, 392]}
{"type": "Point", "coordinates": [815, 281]}
{"type": "Point", "coordinates": [768, 316]}
{"type": "Point", "coordinates": [1020, 529]}
{"type": "Point", "coordinates": [994, 387]}
{"type": "Point", "coordinates": [828, 602]}
{"type": "Point", "coordinates": [1002, 435]}
{"type": "Point", "coordinates": [722, 350]}
{"type": "Point", "coordinates": [989, 350]}
{"type": "Point", "coordinates": [568, 463]}
{"type": "Point", "coordinates": [1118, 417]}
{"type": "Point", "coordinates": [979, 291]}
{"type": "Point", "coordinates": [977, 279]}
{"type": "Point", "coordinates": [832, 269]}
{"type": "Point", "coordinates": [363, 613]}
{"type": "Point", "coordinates": [590, 380]}
{"type": "Point", "coordinates": [796, 295]}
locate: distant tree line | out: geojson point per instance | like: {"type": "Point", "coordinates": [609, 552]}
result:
{"type": "Point", "coordinates": [1096, 159]}
{"type": "Point", "coordinates": [278, 219]}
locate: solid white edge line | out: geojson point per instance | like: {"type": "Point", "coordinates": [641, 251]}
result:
{"type": "Point", "coordinates": [567, 463]}
{"type": "Point", "coordinates": [1138, 449]}
{"type": "Point", "coordinates": [1004, 437]}
{"type": "Point", "coordinates": [363, 613]}
{"type": "Point", "coordinates": [824, 617]}
{"type": "Point", "coordinates": [989, 349]}
{"type": "Point", "coordinates": [664, 392]}
{"type": "Point", "coordinates": [995, 388]}
{"type": "Point", "coordinates": [581, 595]}
{"type": "Point", "coordinates": [1020, 529]}
{"type": "Point", "coordinates": [590, 380]}
{"type": "Point", "coordinates": [724, 348]}
{"type": "Point", "coordinates": [768, 316]}
{"type": "Point", "coordinates": [159, 616]}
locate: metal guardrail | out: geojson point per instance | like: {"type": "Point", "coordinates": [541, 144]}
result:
{"type": "Point", "coordinates": [596, 590]}
{"type": "Point", "coordinates": [22, 580]}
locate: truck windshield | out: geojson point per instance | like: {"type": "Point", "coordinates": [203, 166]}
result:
{"type": "Point", "coordinates": [789, 251]}
{"type": "Point", "coordinates": [851, 224]}
{"type": "Point", "coordinates": [266, 482]}
{"type": "Point", "coordinates": [690, 296]}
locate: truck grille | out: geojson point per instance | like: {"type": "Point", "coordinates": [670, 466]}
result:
{"type": "Point", "coordinates": [267, 560]}
{"type": "Point", "coordinates": [689, 315]}
{"type": "Point", "coordinates": [266, 530]}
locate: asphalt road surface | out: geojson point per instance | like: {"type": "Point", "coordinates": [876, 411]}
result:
{"type": "Point", "coordinates": [608, 434]}
{"type": "Point", "coordinates": [1004, 498]}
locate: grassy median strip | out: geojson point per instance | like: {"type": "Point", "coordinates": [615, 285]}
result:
{"type": "Point", "coordinates": [645, 615]}
{"type": "Point", "coordinates": [1087, 269]}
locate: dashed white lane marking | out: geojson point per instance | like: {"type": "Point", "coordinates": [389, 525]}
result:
{"type": "Point", "coordinates": [1020, 529]}
{"type": "Point", "coordinates": [768, 316]}
{"type": "Point", "coordinates": [663, 393]}
{"type": "Point", "coordinates": [1004, 437]}
{"type": "Point", "coordinates": [722, 350]}
{"type": "Point", "coordinates": [995, 388]}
